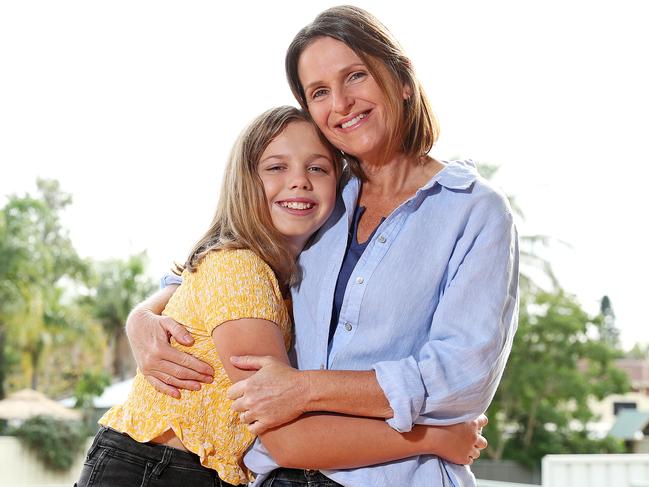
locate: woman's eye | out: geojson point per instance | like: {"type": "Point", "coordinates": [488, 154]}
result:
{"type": "Point", "coordinates": [357, 75]}
{"type": "Point", "coordinates": [318, 93]}
{"type": "Point", "coordinates": [274, 168]}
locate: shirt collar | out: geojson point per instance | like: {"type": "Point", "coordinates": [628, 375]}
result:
{"type": "Point", "coordinates": [455, 175]}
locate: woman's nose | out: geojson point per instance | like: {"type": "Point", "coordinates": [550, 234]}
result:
{"type": "Point", "coordinates": [342, 101]}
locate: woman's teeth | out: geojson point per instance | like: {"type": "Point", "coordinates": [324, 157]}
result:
{"type": "Point", "coordinates": [296, 205]}
{"type": "Point", "coordinates": [353, 121]}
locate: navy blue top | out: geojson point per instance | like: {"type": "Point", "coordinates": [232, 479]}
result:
{"type": "Point", "coordinates": [352, 256]}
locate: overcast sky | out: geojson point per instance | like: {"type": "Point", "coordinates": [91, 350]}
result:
{"type": "Point", "coordinates": [133, 106]}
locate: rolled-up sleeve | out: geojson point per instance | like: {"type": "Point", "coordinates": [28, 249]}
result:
{"type": "Point", "coordinates": [456, 373]}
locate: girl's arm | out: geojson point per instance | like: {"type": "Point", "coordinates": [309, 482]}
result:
{"type": "Point", "coordinates": [348, 442]}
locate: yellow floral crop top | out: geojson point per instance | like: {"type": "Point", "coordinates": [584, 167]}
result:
{"type": "Point", "coordinates": [228, 285]}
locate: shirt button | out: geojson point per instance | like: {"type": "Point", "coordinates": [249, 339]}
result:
{"type": "Point", "coordinates": [348, 326]}
{"type": "Point", "coordinates": [359, 280]}
{"type": "Point", "coordinates": [380, 239]}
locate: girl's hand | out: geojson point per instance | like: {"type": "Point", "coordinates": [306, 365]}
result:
{"type": "Point", "coordinates": [272, 396]}
{"type": "Point", "coordinates": [461, 443]}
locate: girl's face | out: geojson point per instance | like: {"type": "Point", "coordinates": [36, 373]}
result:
{"type": "Point", "coordinates": [344, 99]}
{"type": "Point", "coordinates": [299, 181]}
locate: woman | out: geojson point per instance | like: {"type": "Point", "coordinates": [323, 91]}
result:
{"type": "Point", "coordinates": [414, 306]}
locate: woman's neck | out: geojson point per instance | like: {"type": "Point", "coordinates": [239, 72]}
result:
{"type": "Point", "coordinates": [399, 175]}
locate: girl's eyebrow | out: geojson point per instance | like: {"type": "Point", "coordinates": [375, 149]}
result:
{"type": "Point", "coordinates": [274, 156]}
{"type": "Point", "coordinates": [283, 157]}
{"type": "Point", "coordinates": [341, 70]}
{"type": "Point", "coordinates": [317, 155]}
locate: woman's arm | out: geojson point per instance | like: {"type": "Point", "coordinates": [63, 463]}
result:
{"type": "Point", "coordinates": [347, 442]}
{"type": "Point", "coordinates": [452, 378]}
{"type": "Point", "coordinates": [166, 368]}
{"type": "Point", "coordinates": [277, 393]}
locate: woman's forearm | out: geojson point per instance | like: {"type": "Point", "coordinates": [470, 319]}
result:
{"type": "Point", "coordinates": [348, 392]}
{"type": "Point", "coordinates": [278, 393]}
{"type": "Point", "coordinates": [328, 441]}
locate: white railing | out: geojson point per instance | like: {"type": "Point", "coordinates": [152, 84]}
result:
{"type": "Point", "coordinates": [615, 470]}
{"type": "Point", "coordinates": [498, 483]}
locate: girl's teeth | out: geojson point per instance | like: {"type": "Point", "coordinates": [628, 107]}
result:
{"type": "Point", "coordinates": [295, 205]}
{"type": "Point", "coordinates": [353, 121]}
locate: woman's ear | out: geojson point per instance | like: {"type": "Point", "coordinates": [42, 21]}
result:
{"type": "Point", "coordinates": [407, 91]}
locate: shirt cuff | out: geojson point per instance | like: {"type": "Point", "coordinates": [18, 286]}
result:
{"type": "Point", "coordinates": [170, 279]}
{"type": "Point", "coordinates": [403, 387]}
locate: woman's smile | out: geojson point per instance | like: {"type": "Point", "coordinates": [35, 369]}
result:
{"type": "Point", "coordinates": [344, 99]}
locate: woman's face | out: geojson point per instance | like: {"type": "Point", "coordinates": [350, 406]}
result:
{"type": "Point", "coordinates": [344, 99]}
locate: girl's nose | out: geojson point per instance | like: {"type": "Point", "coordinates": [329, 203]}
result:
{"type": "Point", "coordinates": [300, 180]}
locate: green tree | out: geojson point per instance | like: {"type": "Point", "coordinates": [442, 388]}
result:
{"type": "Point", "coordinates": [558, 362]}
{"type": "Point", "coordinates": [36, 257]}
{"type": "Point", "coordinates": [639, 351]}
{"type": "Point", "coordinates": [55, 442]}
{"type": "Point", "coordinates": [118, 286]}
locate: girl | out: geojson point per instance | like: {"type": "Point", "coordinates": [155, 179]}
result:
{"type": "Point", "coordinates": [279, 188]}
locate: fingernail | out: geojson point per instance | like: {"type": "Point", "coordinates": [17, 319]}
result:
{"type": "Point", "coordinates": [234, 358]}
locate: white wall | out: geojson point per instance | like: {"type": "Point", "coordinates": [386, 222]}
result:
{"type": "Point", "coordinates": [20, 467]}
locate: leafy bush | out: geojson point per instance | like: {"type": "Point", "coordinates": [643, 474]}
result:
{"type": "Point", "coordinates": [55, 442]}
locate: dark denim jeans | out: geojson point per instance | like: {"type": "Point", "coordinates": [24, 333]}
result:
{"type": "Point", "coordinates": [116, 460]}
{"type": "Point", "coordinates": [291, 477]}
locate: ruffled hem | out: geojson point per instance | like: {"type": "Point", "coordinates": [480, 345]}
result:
{"type": "Point", "coordinates": [230, 468]}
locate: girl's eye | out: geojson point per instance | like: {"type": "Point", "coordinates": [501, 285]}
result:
{"type": "Point", "coordinates": [318, 169]}
{"type": "Point", "coordinates": [274, 168]}
{"type": "Point", "coordinates": [357, 75]}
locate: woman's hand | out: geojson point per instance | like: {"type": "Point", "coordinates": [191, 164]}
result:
{"type": "Point", "coordinates": [274, 395]}
{"type": "Point", "coordinates": [461, 443]}
{"type": "Point", "coordinates": [166, 368]}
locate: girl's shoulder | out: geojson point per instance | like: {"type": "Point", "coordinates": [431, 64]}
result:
{"type": "Point", "coordinates": [227, 265]}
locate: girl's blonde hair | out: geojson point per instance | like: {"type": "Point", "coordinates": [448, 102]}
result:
{"type": "Point", "coordinates": [242, 219]}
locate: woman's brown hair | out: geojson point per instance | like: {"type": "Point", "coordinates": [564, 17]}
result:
{"type": "Point", "coordinates": [242, 219]}
{"type": "Point", "coordinates": [388, 64]}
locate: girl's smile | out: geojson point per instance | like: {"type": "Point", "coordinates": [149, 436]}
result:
{"type": "Point", "coordinates": [299, 181]}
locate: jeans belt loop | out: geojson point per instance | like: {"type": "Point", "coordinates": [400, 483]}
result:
{"type": "Point", "coordinates": [162, 464]}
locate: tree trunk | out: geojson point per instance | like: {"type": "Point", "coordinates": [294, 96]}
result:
{"type": "Point", "coordinates": [123, 361]}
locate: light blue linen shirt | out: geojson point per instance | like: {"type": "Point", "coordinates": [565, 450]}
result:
{"type": "Point", "coordinates": [431, 306]}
